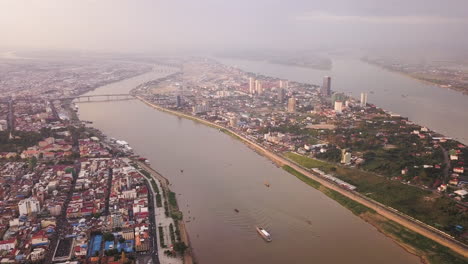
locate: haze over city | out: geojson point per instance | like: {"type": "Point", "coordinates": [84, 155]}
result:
{"type": "Point", "coordinates": [207, 25]}
{"type": "Point", "coordinates": [260, 131]}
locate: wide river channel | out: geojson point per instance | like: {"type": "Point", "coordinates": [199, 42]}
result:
{"type": "Point", "coordinates": [221, 174]}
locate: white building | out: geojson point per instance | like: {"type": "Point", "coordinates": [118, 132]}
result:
{"type": "Point", "coordinates": [29, 206]}
{"type": "Point", "coordinates": [292, 105]}
{"type": "Point", "coordinates": [363, 99]}
{"type": "Point", "coordinates": [258, 87]}
{"type": "Point", "coordinates": [3, 125]}
{"type": "Point", "coordinates": [251, 85]}
{"type": "Point", "coordinates": [345, 157]}
{"type": "Point", "coordinates": [338, 107]}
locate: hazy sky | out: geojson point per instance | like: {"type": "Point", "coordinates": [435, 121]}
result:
{"type": "Point", "coordinates": [145, 25]}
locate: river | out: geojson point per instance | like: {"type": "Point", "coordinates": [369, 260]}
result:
{"type": "Point", "coordinates": [442, 110]}
{"type": "Point", "coordinates": [221, 174]}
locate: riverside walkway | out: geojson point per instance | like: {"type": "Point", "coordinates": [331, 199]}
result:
{"type": "Point", "coordinates": [164, 221]}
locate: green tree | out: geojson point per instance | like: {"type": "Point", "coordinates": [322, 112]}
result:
{"type": "Point", "coordinates": [180, 247]}
{"type": "Point", "coordinates": [32, 163]}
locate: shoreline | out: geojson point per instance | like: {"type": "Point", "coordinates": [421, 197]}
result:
{"type": "Point", "coordinates": [380, 209]}
{"type": "Point", "coordinates": [408, 75]}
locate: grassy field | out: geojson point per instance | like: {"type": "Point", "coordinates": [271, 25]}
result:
{"type": "Point", "coordinates": [353, 206]}
{"type": "Point", "coordinates": [413, 242]}
{"type": "Point", "coordinates": [421, 204]}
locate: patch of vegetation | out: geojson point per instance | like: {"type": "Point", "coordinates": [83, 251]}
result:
{"type": "Point", "coordinates": [21, 140]}
{"type": "Point", "coordinates": [436, 253]}
{"type": "Point", "coordinates": [302, 177]}
{"type": "Point", "coordinates": [171, 230]}
{"type": "Point", "coordinates": [158, 200]}
{"type": "Point", "coordinates": [172, 199]}
{"type": "Point", "coordinates": [432, 209]}
{"type": "Point", "coordinates": [352, 205]}
{"type": "Point", "coordinates": [161, 237]}
{"type": "Point", "coordinates": [180, 247]}
{"type": "Point", "coordinates": [308, 162]}
{"type": "Point", "coordinates": [177, 215]}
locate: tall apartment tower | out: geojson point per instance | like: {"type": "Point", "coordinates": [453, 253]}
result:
{"type": "Point", "coordinates": [292, 105]}
{"type": "Point", "coordinates": [251, 85]}
{"type": "Point", "coordinates": [281, 94]}
{"type": "Point", "coordinates": [258, 87]}
{"type": "Point", "coordinates": [178, 101]}
{"type": "Point", "coordinates": [326, 87]}
{"type": "Point", "coordinates": [363, 99]}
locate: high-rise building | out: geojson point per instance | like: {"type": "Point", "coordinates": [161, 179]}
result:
{"type": "Point", "coordinates": [326, 87]}
{"type": "Point", "coordinates": [338, 107]}
{"type": "Point", "coordinates": [251, 85]}
{"type": "Point", "coordinates": [281, 94]}
{"type": "Point", "coordinates": [281, 84]}
{"type": "Point", "coordinates": [258, 87]}
{"type": "Point", "coordinates": [178, 101]}
{"type": "Point", "coordinates": [363, 99]}
{"type": "Point", "coordinates": [292, 105]}
{"type": "Point", "coordinates": [29, 206]}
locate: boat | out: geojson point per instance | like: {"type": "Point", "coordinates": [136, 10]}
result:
{"type": "Point", "coordinates": [264, 234]}
{"type": "Point", "coordinates": [236, 210]}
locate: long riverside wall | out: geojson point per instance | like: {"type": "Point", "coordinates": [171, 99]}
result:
{"type": "Point", "coordinates": [389, 213]}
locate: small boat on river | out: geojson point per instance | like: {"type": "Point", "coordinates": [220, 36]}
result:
{"type": "Point", "coordinates": [264, 234]}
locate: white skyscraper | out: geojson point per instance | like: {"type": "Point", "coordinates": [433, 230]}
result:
{"type": "Point", "coordinates": [338, 107]}
{"type": "Point", "coordinates": [363, 99]}
{"type": "Point", "coordinates": [292, 105]}
{"type": "Point", "coordinates": [258, 87]}
{"type": "Point", "coordinates": [29, 206]}
{"type": "Point", "coordinates": [251, 85]}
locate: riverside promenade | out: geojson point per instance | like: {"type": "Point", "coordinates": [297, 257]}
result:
{"type": "Point", "coordinates": [388, 212]}
{"type": "Point", "coordinates": [165, 221]}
